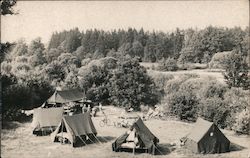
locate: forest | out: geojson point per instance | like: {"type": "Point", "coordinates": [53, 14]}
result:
{"type": "Point", "coordinates": [106, 66]}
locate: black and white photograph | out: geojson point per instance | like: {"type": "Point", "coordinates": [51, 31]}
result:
{"type": "Point", "coordinates": [121, 79]}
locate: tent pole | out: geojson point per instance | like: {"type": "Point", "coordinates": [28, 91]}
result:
{"type": "Point", "coordinates": [62, 132]}
{"type": "Point", "coordinates": [42, 131]}
{"type": "Point", "coordinates": [81, 140]}
{"type": "Point", "coordinates": [104, 139]}
{"type": "Point", "coordinates": [90, 139]}
{"type": "Point", "coordinates": [153, 150]}
{"type": "Point", "coordinates": [157, 149]}
{"type": "Point", "coordinates": [97, 139]}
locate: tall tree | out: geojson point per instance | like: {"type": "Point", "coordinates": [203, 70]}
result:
{"type": "Point", "coordinates": [131, 86]}
{"type": "Point", "coordinates": [236, 70]}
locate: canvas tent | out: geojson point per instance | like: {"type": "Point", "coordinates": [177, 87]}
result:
{"type": "Point", "coordinates": [76, 129]}
{"type": "Point", "coordinates": [60, 97]}
{"type": "Point", "coordinates": [146, 141]}
{"type": "Point", "coordinates": [45, 121]}
{"type": "Point", "coordinates": [206, 138]}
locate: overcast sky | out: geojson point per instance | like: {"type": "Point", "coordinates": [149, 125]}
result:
{"type": "Point", "coordinates": [42, 18]}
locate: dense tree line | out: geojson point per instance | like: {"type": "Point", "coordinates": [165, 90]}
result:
{"type": "Point", "coordinates": [189, 45]}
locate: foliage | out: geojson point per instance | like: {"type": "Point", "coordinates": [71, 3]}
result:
{"type": "Point", "coordinates": [67, 59]}
{"type": "Point", "coordinates": [13, 114]}
{"type": "Point", "coordinates": [95, 82]}
{"type": "Point", "coordinates": [161, 80]}
{"type": "Point", "coordinates": [242, 123]}
{"type": "Point", "coordinates": [213, 89]}
{"type": "Point", "coordinates": [55, 71]}
{"type": "Point", "coordinates": [215, 110]}
{"type": "Point", "coordinates": [237, 99]}
{"type": "Point", "coordinates": [236, 68]}
{"type": "Point", "coordinates": [193, 85]}
{"type": "Point", "coordinates": [183, 104]}
{"type": "Point", "coordinates": [85, 61]}
{"type": "Point", "coordinates": [71, 81]}
{"type": "Point", "coordinates": [53, 54]}
{"type": "Point", "coordinates": [173, 85]}
{"type": "Point", "coordinates": [187, 55]}
{"type": "Point", "coordinates": [131, 86]}
{"type": "Point", "coordinates": [98, 94]}
{"type": "Point", "coordinates": [168, 65]}
{"type": "Point", "coordinates": [6, 6]}
{"type": "Point", "coordinates": [218, 60]}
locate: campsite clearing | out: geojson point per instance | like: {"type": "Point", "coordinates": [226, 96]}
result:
{"type": "Point", "coordinates": [20, 142]}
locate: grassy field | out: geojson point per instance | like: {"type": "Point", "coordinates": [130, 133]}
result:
{"type": "Point", "coordinates": [203, 73]}
{"type": "Point", "coordinates": [19, 141]}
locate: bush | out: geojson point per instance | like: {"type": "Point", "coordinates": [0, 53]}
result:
{"type": "Point", "coordinates": [214, 110]}
{"type": "Point", "coordinates": [218, 60]}
{"type": "Point", "coordinates": [242, 124]}
{"type": "Point", "coordinates": [237, 99]}
{"type": "Point", "coordinates": [213, 89]}
{"type": "Point", "coordinates": [85, 61]}
{"type": "Point", "coordinates": [161, 80]}
{"type": "Point", "coordinates": [183, 104]}
{"type": "Point", "coordinates": [193, 85]}
{"type": "Point", "coordinates": [14, 114]}
{"type": "Point", "coordinates": [168, 65]}
{"type": "Point", "coordinates": [173, 85]}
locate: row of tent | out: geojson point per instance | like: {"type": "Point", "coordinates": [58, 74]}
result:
{"type": "Point", "coordinates": [206, 137]}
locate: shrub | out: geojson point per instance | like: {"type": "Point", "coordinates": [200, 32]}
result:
{"type": "Point", "coordinates": [218, 60]}
{"type": "Point", "coordinates": [213, 89]}
{"type": "Point", "coordinates": [242, 124]}
{"type": "Point", "coordinates": [85, 61]}
{"type": "Point", "coordinates": [168, 65]}
{"type": "Point", "coordinates": [237, 99]}
{"type": "Point", "coordinates": [174, 84]}
{"type": "Point", "coordinates": [215, 110]}
{"type": "Point", "coordinates": [193, 85]}
{"type": "Point", "coordinates": [14, 114]}
{"type": "Point", "coordinates": [183, 104]}
{"type": "Point", "coordinates": [161, 80]}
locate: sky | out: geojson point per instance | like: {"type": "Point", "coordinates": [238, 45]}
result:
{"type": "Point", "coordinates": [42, 18]}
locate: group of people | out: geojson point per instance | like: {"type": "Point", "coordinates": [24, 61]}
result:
{"type": "Point", "coordinates": [94, 110]}
{"type": "Point", "coordinates": [153, 113]}
{"type": "Point", "coordinates": [86, 108]}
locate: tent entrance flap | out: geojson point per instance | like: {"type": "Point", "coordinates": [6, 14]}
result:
{"type": "Point", "coordinates": [138, 139]}
{"type": "Point", "coordinates": [76, 129]}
